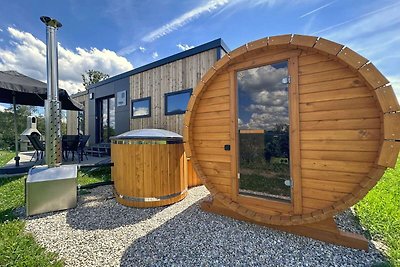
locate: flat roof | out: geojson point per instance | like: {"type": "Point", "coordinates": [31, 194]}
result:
{"type": "Point", "coordinates": [187, 53]}
{"type": "Point", "coordinates": [81, 93]}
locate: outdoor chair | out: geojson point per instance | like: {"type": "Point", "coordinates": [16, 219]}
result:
{"type": "Point", "coordinates": [38, 145]}
{"type": "Point", "coordinates": [81, 147]}
{"type": "Point", "coordinates": [69, 144]}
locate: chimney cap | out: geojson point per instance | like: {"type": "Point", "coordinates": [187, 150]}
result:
{"type": "Point", "coordinates": [50, 22]}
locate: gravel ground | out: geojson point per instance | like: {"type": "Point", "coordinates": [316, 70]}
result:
{"type": "Point", "coordinates": [100, 232]}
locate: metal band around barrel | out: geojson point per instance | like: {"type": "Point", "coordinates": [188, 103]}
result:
{"type": "Point", "coordinates": [149, 199]}
{"type": "Point", "coordinates": [144, 142]}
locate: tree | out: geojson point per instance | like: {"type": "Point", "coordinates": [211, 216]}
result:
{"type": "Point", "coordinates": [7, 125]}
{"type": "Point", "coordinates": [93, 76]}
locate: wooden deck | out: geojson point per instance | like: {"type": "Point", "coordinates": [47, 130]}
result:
{"type": "Point", "coordinates": [26, 164]}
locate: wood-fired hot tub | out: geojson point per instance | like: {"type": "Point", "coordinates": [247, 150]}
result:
{"type": "Point", "coordinates": [148, 168]}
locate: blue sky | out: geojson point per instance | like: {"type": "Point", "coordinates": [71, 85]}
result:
{"type": "Point", "coordinates": [117, 35]}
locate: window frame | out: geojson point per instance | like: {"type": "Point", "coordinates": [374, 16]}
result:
{"type": "Point", "coordinates": [296, 204]}
{"type": "Point", "coordinates": [138, 100]}
{"type": "Point", "coordinates": [166, 95]}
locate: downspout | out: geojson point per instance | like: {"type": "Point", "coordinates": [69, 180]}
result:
{"type": "Point", "coordinates": [52, 105]}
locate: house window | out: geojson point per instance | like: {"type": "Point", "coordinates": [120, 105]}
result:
{"type": "Point", "coordinates": [141, 108]}
{"type": "Point", "coordinates": [176, 102]}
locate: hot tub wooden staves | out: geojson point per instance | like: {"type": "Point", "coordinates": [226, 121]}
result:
{"type": "Point", "coordinates": [149, 168]}
{"type": "Point", "coordinates": [344, 132]}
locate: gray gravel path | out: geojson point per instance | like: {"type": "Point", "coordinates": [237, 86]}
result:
{"type": "Point", "coordinates": [100, 232]}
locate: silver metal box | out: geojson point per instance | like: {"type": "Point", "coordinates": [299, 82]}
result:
{"type": "Point", "coordinates": [51, 189]}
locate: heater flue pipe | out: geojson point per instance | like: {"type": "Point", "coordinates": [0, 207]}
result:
{"type": "Point", "coordinates": [52, 105]}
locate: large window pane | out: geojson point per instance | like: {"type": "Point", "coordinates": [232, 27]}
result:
{"type": "Point", "coordinates": [141, 107]}
{"type": "Point", "coordinates": [263, 122]}
{"type": "Point", "coordinates": [176, 102]}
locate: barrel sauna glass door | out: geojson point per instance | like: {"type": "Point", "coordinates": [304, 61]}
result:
{"type": "Point", "coordinates": [263, 132]}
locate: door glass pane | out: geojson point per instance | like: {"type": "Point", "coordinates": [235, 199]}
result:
{"type": "Point", "coordinates": [104, 120]}
{"type": "Point", "coordinates": [263, 122]}
{"type": "Point", "coordinates": [111, 127]}
{"type": "Point", "coordinates": [81, 122]}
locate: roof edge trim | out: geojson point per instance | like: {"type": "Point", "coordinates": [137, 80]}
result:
{"type": "Point", "coordinates": [187, 53]}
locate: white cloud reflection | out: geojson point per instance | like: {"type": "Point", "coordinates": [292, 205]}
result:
{"type": "Point", "coordinates": [141, 111]}
{"type": "Point", "coordinates": [263, 98]}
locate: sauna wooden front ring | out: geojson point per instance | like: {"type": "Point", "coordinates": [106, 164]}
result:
{"type": "Point", "coordinates": [344, 129]}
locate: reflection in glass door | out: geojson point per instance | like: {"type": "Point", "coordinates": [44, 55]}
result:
{"type": "Point", "coordinates": [263, 125]}
{"type": "Point", "coordinates": [105, 119]}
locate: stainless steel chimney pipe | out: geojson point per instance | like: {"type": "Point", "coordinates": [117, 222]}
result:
{"type": "Point", "coordinates": [52, 105]}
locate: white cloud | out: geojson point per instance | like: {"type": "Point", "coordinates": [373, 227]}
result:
{"type": "Point", "coordinates": [184, 47]}
{"type": "Point", "coordinates": [316, 10]}
{"type": "Point", "coordinates": [395, 82]}
{"type": "Point", "coordinates": [142, 49]}
{"type": "Point", "coordinates": [142, 111]}
{"type": "Point", "coordinates": [28, 56]}
{"type": "Point", "coordinates": [375, 35]}
{"type": "Point", "coordinates": [2, 108]}
{"type": "Point", "coordinates": [365, 23]}
{"type": "Point", "coordinates": [184, 19]}
{"type": "Point", "coordinates": [127, 50]}
{"type": "Point", "coordinates": [235, 5]}
{"type": "Point", "coordinates": [263, 98]}
{"type": "Point", "coordinates": [212, 6]}
{"type": "Point", "coordinates": [154, 55]}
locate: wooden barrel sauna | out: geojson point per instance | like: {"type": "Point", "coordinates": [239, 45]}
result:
{"type": "Point", "coordinates": [148, 168]}
{"type": "Point", "coordinates": [192, 178]}
{"type": "Point", "coordinates": [339, 113]}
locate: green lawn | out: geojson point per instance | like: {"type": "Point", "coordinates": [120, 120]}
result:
{"type": "Point", "coordinates": [5, 156]}
{"type": "Point", "coordinates": [379, 212]}
{"type": "Point", "coordinates": [90, 176]}
{"type": "Point", "coordinates": [18, 248]}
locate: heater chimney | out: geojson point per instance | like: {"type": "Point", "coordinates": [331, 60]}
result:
{"type": "Point", "coordinates": [52, 105]}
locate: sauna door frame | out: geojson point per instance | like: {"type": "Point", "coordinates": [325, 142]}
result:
{"type": "Point", "coordinates": [295, 205]}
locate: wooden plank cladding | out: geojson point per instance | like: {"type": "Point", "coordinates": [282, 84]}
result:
{"type": "Point", "coordinates": [339, 124]}
{"type": "Point", "coordinates": [366, 156]}
{"type": "Point", "coordinates": [192, 177]}
{"type": "Point", "coordinates": [347, 126]}
{"type": "Point", "coordinates": [340, 114]}
{"type": "Point", "coordinates": [172, 77]}
{"type": "Point", "coordinates": [351, 103]}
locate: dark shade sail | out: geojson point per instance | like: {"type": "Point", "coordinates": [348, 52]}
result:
{"type": "Point", "coordinates": [29, 91]}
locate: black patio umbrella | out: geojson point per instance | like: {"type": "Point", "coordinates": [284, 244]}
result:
{"type": "Point", "coordinates": [16, 88]}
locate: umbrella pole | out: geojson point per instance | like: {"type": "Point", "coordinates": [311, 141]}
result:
{"type": "Point", "coordinates": [17, 158]}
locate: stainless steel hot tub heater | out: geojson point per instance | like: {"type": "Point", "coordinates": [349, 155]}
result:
{"type": "Point", "coordinates": [52, 187]}
{"type": "Point", "coordinates": [52, 105]}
